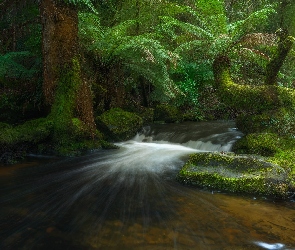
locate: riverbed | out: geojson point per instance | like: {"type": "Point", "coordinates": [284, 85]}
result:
{"type": "Point", "coordinates": [128, 198]}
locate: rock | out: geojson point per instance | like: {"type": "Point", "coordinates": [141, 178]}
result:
{"type": "Point", "coordinates": [120, 125]}
{"type": "Point", "coordinates": [280, 121]}
{"type": "Point", "coordinates": [236, 173]}
{"type": "Point", "coordinates": [167, 113]}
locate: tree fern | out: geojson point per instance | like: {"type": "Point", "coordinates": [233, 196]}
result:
{"type": "Point", "coordinates": [141, 55]}
{"type": "Point", "coordinates": [209, 27]}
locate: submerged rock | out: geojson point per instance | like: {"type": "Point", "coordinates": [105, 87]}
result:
{"type": "Point", "coordinates": [236, 173]}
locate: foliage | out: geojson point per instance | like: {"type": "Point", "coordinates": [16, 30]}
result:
{"type": "Point", "coordinates": [20, 62]}
{"type": "Point", "coordinates": [14, 65]}
{"type": "Point", "coordinates": [140, 55]}
{"type": "Point", "coordinates": [286, 75]}
{"type": "Point", "coordinates": [82, 4]}
{"type": "Point", "coordinates": [190, 78]}
{"type": "Point", "coordinates": [211, 30]}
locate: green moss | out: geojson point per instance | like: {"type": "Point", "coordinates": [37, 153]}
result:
{"type": "Point", "coordinates": [76, 148]}
{"type": "Point", "coordinates": [265, 144]}
{"type": "Point", "coordinates": [77, 140]}
{"type": "Point", "coordinates": [32, 131]}
{"type": "Point", "coordinates": [280, 121]}
{"type": "Point", "coordinates": [254, 99]}
{"type": "Point", "coordinates": [121, 124]}
{"type": "Point", "coordinates": [62, 110]}
{"type": "Point", "coordinates": [242, 174]}
{"type": "Point", "coordinates": [250, 98]}
{"type": "Point", "coordinates": [15, 141]}
{"type": "Point", "coordinates": [280, 150]}
{"type": "Point", "coordinates": [4, 126]}
{"type": "Point", "coordinates": [147, 115]}
{"type": "Point", "coordinates": [167, 113]}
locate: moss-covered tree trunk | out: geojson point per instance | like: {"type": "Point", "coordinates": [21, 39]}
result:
{"type": "Point", "coordinates": [66, 92]}
{"type": "Point", "coordinates": [221, 70]}
{"type": "Point", "coordinates": [275, 64]}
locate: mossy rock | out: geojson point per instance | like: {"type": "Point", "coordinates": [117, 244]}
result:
{"type": "Point", "coordinates": [167, 113]}
{"type": "Point", "coordinates": [147, 115]}
{"type": "Point", "coordinates": [265, 144]}
{"type": "Point", "coordinates": [15, 141]}
{"type": "Point", "coordinates": [236, 173]}
{"type": "Point", "coordinates": [119, 124]}
{"type": "Point", "coordinates": [4, 125]}
{"type": "Point", "coordinates": [77, 140]}
{"type": "Point", "coordinates": [32, 131]}
{"type": "Point", "coordinates": [77, 148]}
{"type": "Point", "coordinates": [280, 121]}
{"type": "Point", "coordinates": [279, 150]}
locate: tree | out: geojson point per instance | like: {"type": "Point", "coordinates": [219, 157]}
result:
{"type": "Point", "coordinates": [65, 89]}
{"type": "Point", "coordinates": [285, 34]}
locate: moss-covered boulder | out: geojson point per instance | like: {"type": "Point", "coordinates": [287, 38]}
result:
{"type": "Point", "coordinates": [265, 144]}
{"type": "Point", "coordinates": [236, 173]}
{"type": "Point", "coordinates": [167, 113]}
{"type": "Point", "coordinates": [147, 115]}
{"type": "Point", "coordinates": [279, 150]}
{"type": "Point", "coordinates": [77, 140]}
{"type": "Point", "coordinates": [280, 121]}
{"type": "Point", "coordinates": [119, 124]}
{"type": "Point", "coordinates": [15, 141]}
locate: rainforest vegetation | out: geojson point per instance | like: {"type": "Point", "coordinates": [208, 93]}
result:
{"type": "Point", "coordinates": [80, 74]}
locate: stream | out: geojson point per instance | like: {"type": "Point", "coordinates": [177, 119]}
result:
{"type": "Point", "coordinates": [128, 198]}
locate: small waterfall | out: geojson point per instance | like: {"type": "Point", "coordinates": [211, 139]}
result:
{"type": "Point", "coordinates": [192, 135]}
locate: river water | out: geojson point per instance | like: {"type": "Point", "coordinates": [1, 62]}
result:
{"type": "Point", "coordinates": [128, 199]}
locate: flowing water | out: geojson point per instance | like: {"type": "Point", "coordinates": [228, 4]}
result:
{"type": "Point", "coordinates": [128, 199]}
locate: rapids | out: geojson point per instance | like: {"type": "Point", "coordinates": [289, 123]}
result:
{"type": "Point", "coordinates": [128, 198]}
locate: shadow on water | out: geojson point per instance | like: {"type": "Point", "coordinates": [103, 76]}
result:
{"type": "Point", "coordinates": [129, 199]}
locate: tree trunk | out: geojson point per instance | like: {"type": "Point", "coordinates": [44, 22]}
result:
{"type": "Point", "coordinates": [275, 64]}
{"type": "Point", "coordinates": [221, 70]}
{"type": "Point", "coordinates": [65, 90]}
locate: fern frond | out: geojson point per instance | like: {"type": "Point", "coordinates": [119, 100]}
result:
{"type": "Point", "coordinates": [256, 56]}
{"type": "Point", "coordinates": [12, 66]}
{"type": "Point", "coordinates": [195, 44]}
{"type": "Point", "coordinates": [140, 54]}
{"type": "Point", "coordinates": [81, 3]}
{"type": "Point", "coordinates": [248, 25]}
{"type": "Point", "coordinates": [210, 15]}
{"type": "Point", "coordinates": [187, 27]}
